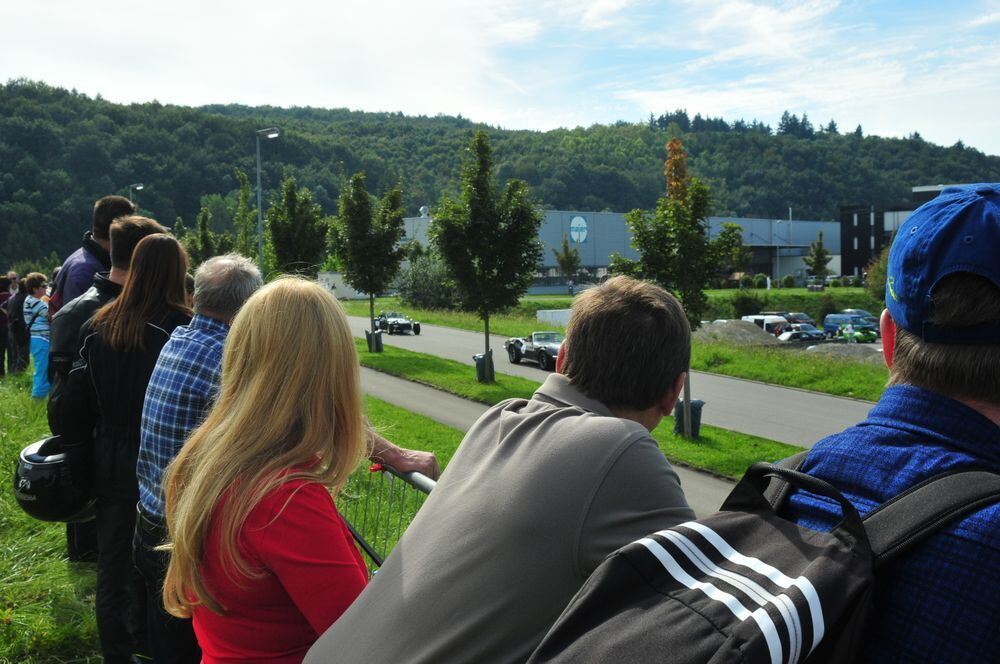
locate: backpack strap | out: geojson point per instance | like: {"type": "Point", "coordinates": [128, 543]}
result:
{"type": "Point", "coordinates": [777, 491]}
{"type": "Point", "coordinates": [896, 525]}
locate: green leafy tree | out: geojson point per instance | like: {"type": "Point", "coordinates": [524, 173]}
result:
{"type": "Point", "coordinates": [729, 254]}
{"type": "Point", "coordinates": [245, 218]}
{"type": "Point", "coordinates": [876, 272]}
{"type": "Point", "coordinates": [367, 238]}
{"type": "Point", "coordinates": [567, 258]}
{"type": "Point", "coordinates": [425, 283]}
{"type": "Point", "coordinates": [672, 242]}
{"type": "Point", "coordinates": [487, 240]}
{"type": "Point", "coordinates": [203, 243]}
{"type": "Point", "coordinates": [817, 258]}
{"type": "Point", "coordinates": [297, 231]}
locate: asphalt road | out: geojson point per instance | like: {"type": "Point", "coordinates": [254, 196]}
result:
{"type": "Point", "coordinates": [796, 417]}
{"type": "Point", "coordinates": [705, 493]}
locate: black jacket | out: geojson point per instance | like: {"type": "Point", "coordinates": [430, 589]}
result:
{"type": "Point", "coordinates": [65, 333]}
{"type": "Point", "coordinates": [103, 399]}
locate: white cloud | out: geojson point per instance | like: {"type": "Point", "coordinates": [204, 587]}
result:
{"type": "Point", "coordinates": [988, 19]}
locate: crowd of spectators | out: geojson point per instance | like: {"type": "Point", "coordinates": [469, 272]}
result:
{"type": "Point", "coordinates": [225, 415]}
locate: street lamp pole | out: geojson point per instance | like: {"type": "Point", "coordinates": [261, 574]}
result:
{"type": "Point", "coordinates": [269, 132]}
{"type": "Point", "coordinates": [134, 187]}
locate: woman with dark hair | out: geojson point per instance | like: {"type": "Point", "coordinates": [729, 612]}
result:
{"type": "Point", "coordinates": [104, 394]}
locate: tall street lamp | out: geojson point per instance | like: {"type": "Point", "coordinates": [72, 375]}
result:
{"type": "Point", "coordinates": [269, 132]}
{"type": "Point", "coordinates": [134, 187]}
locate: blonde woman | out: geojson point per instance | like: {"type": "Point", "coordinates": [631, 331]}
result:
{"type": "Point", "coordinates": [260, 558]}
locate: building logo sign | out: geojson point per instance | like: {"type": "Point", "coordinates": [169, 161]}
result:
{"type": "Point", "coordinates": [578, 229]}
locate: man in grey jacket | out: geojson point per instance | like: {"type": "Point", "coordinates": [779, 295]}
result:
{"type": "Point", "coordinates": [539, 492]}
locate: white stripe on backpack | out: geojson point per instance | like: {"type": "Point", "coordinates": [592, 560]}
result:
{"type": "Point", "coordinates": [760, 616]}
{"type": "Point", "coordinates": [746, 585]}
{"type": "Point", "coordinates": [774, 575]}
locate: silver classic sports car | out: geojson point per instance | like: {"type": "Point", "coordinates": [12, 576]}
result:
{"type": "Point", "coordinates": [394, 322]}
{"type": "Point", "coordinates": [541, 347]}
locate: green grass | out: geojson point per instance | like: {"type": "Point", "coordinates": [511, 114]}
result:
{"type": "Point", "coordinates": [447, 375]}
{"type": "Point", "coordinates": [46, 602]}
{"type": "Point", "coordinates": [790, 369]}
{"type": "Point", "coordinates": [718, 450]}
{"type": "Point", "coordinates": [793, 368]}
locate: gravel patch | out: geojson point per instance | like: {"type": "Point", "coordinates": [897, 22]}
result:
{"type": "Point", "coordinates": [734, 333]}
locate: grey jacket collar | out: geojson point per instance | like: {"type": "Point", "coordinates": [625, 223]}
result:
{"type": "Point", "coordinates": [557, 390]}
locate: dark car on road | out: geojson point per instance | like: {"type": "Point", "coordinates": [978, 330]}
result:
{"type": "Point", "coordinates": [541, 347]}
{"type": "Point", "coordinates": [394, 322]}
{"type": "Point", "coordinates": [802, 332]}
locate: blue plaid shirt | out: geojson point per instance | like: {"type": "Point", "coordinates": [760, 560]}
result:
{"type": "Point", "coordinates": [180, 392]}
{"type": "Point", "coordinates": [939, 602]}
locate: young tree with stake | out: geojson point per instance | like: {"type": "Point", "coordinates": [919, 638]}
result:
{"type": "Point", "coordinates": [366, 241]}
{"type": "Point", "coordinates": [487, 240]}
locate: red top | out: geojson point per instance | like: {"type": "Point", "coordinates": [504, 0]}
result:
{"type": "Point", "coordinates": [312, 573]}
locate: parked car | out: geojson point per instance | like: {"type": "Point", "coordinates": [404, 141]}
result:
{"type": "Point", "coordinates": [769, 323]}
{"type": "Point", "coordinates": [835, 324]}
{"type": "Point", "coordinates": [870, 317]}
{"type": "Point", "coordinates": [394, 322]}
{"type": "Point", "coordinates": [540, 347]}
{"type": "Point", "coordinates": [800, 317]}
{"type": "Point", "coordinates": [802, 332]}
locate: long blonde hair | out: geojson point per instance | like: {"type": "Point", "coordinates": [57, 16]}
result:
{"type": "Point", "coordinates": [289, 407]}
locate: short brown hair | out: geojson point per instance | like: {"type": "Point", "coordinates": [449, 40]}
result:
{"type": "Point", "coordinates": [958, 371]}
{"type": "Point", "coordinates": [34, 280]}
{"type": "Point", "coordinates": [107, 210]}
{"type": "Point", "coordinates": [626, 343]}
{"type": "Point", "coordinates": [126, 233]}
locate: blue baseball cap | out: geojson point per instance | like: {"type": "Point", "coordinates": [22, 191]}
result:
{"type": "Point", "coordinates": [959, 231]}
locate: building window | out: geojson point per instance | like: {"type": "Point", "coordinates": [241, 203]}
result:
{"type": "Point", "coordinates": [873, 241]}
{"type": "Point", "coordinates": [855, 219]}
{"type": "Point", "coordinates": [855, 244]}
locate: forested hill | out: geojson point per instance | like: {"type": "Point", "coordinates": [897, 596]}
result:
{"type": "Point", "coordinates": [61, 150]}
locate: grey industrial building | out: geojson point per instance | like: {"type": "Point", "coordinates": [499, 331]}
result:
{"type": "Point", "coordinates": [777, 245]}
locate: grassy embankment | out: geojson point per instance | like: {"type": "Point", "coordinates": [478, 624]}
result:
{"type": "Point", "coordinates": [783, 365]}
{"type": "Point", "coordinates": [46, 602]}
{"type": "Point", "coordinates": [718, 450]}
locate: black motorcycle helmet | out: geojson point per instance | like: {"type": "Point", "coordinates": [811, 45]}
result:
{"type": "Point", "coordinates": [53, 481]}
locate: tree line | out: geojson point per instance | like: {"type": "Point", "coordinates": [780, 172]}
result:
{"type": "Point", "coordinates": [61, 150]}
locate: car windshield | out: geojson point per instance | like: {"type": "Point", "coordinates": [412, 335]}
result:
{"type": "Point", "coordinates": [392, 314]}
{"type": "Point", "coordinates": [806, 327]}
{"type": "Point", "coordinates": [548, 338]}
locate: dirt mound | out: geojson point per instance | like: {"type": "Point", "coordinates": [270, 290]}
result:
{"type": "Point", "coordinates": [864, 353]}
{"type": "Point", "coordinates": [734, 333]}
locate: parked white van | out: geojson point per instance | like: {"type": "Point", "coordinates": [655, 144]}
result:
{"type": "Point", "coordinates": [773, 324]}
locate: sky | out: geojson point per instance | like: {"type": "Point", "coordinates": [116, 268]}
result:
{"type": "Point", "coordinates": [895, 67]}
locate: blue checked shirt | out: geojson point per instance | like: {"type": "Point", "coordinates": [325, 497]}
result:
{"type": "Point", "coordinates": [940, 601]}
{"type": "Point", "coordinates": [180, 392]}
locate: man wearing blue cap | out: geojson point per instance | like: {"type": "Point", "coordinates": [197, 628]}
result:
{"type": "Point", "coordinates": [941, 412]}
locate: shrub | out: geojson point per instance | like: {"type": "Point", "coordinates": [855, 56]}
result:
{"type": "Point", "coordinates": [425, 284]}
{"type": "Point", "coordinates": [827, 305]}
{"type": "Point", "coordinates": [836, 283]}
{"type": "Point", "coordinates": [746, 303]}
{"type": "Point", "coordinates": [760, 281]}
{"type": "Point", "coordinates": [857, 282]}
{"type": "Point", "coordinates": [746, 281]}
{"type": "Point", "coordinates": [788, 281]}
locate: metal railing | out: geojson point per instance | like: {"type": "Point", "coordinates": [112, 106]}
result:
{"type": "Point", "coordinates": [378, 504]}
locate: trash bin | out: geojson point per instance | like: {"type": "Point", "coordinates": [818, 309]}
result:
{"type": "Point", "coordinates": [376, 338]}
{"type": "Point", "coordinates": [484, 366]}
{"type": "Point", "coordinates": [696, 406]}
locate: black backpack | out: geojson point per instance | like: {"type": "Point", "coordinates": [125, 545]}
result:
{"type": "Point", "coordinates": [745, 585]}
